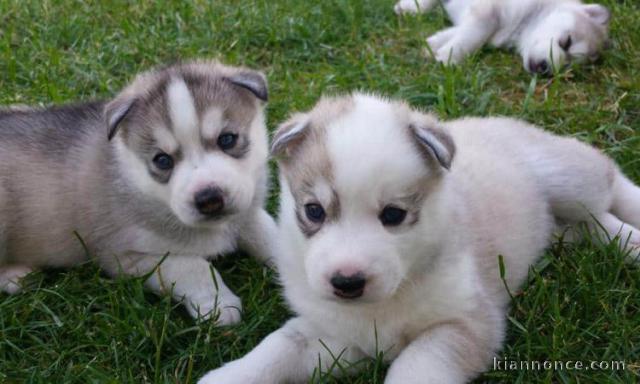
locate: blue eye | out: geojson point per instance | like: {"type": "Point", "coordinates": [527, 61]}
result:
{"type": "Point", "coordinates": [227, 141]}
{"type": "Point", "coordinates": [163, 161]}
{"type": "Point", "coordinates": [314, 212]}
{"type": "Point", "coordinates": [391, 216]}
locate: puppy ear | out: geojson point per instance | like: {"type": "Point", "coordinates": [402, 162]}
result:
{"type": "Point", "coordinates": [254, 82]}
{"type": "Point", "coordinates": [434, 142]}
{"type": "Point", "coordinates": [289, 135]}
{"type": "Point", "coordinates": [598, 13]}
{"type": "Point", "coordinates": [115, 112]}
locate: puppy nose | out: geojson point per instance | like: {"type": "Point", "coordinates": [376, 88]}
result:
{"type": "Point", "coordinates": [348, 287]}
{"type": "Point", "coordinates": [209, 201]}
{"type": "Point", "coordinates": [541, 67]}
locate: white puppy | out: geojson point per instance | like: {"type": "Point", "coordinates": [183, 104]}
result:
{"type": "Point", "coordinates": [392, 224]}
{"type": "Point", "coordinates": [548, 33]}
{"type": "Point", "coordinates": [183, 174]}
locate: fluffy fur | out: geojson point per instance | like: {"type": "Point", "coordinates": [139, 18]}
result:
{"type": "Point", "coordinates": [61, 175]}
{"type": "Point", "coordinates": [548, 34]}
{"type": "Point", "coordinates": [472, 189]}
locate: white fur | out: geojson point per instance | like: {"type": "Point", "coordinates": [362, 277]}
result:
{"type": "Point", "coordinates": [434, 303]}
{"type": "Point", "coordinates": [534, 27]}
{"type": "Point", "coordinates": [182, 112]}
{"type": "Point", "coordinates": [212, 122]}
{"type": "Point", "coordinates": [135, 170]}
{"type": "Point", "coordinates": [166, 141]}
{"type": "Point", "coordinates": [10, 278]}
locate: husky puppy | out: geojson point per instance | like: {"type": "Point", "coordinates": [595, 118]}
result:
{"type": "Point", "coordinates": [548, 34]}
{"type": "Point", "coordinates": [174, 165]}
{"type": "Point", "coordinates": [392, 224]}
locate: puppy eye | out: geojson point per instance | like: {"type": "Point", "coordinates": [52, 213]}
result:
{"type": "Point", "coordinates": [314, 212]}
{"type": "Point", "coordinates": [391, 216]}
{"type": "Point", "coordinates": [227, 141]}
{"type": "Point", "coordinates": [565, 43]}
{"type": "Point", "coordinates": [163, 161]}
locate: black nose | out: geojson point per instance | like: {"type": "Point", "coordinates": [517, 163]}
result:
{"type": "Point", "coordinates": [348, 287]}
{"type": "Point", "coordinates": [541, 67]}
{"type": "Point", "coordinates": [209, 201]}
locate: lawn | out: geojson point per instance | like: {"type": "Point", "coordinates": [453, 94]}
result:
{"type": "Point", "coordinates": [580, 303]}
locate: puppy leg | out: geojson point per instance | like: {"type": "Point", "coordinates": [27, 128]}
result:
{"type": "Point", "coordinates": [10, 276]}
{"type": "Point", "coordinates": [590, 189]}
{"type": "Point", "coordinates": [288, 355]}
{"type": "Point", "coordinates": [626, 200]}
{"type": "Point", "coordinates": [455, 43]}
{"type": "Point", "coordinates": [448, 353]}
{"type": "Point", "coordinates": [413, 6]}
{"type": "Point", "coordinates": [440, 38]}
{"type": "Point", "coordinates": [258, 237]}
{"type": "Point", "coordinates": [607, 227]}
{"type": "Point", "coordinates": [191, 280]}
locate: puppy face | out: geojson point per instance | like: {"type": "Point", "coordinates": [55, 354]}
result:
{"type": "Point", "coordinates": [358, 176]}
{"type": "Point", "coordinates": [192, 137]}
{"type": "Point", "coordinates": [572, 33]}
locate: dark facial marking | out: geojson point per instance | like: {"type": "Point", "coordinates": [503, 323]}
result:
{"type": "Point", "coordinates": [410, 204]}
{"type": "Point", "coordinates": [161, 164]}
{"type": "Point", "coordinates": [238, 106]}
{"type": "Point", "coordinates": [311, 214]}
{"type": "Point", "coordinates": [308, 229]}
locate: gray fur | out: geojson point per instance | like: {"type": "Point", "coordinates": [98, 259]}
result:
{"type": "Point", "coordinates": [60, 174]}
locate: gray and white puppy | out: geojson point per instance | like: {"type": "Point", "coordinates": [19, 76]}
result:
{"type": "Point", "coordinates": [175, 164]}
{"type": "Point", "coordinates": [548, 34]}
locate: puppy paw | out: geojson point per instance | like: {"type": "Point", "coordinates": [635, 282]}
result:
{"type": "Point", "coordinates": [447, 54]}
{"type": "Point", "coordinates": [10, 277]}
{"type": "Point", "coordinates": [633, 256]}
{"type": "Point", "coordinates": [412, 6]}
{"type": "Point", "coordinates": [441, 38]}
{"type": "Point", "coordinates": [224, 309]}
{"type": "Point", "coordinates": [228, 374]}
{"type": "Point", "coordinates": [228, 315]}
{"type": "Point", "coordinates": [435, 42]}
{"type": "Point", "coordinates": [405, 6]}
{"type": "Point", "coordinates": [443, 49]}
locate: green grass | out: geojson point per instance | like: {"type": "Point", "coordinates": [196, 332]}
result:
{"type": "Point", "coordinates": [581, 302]}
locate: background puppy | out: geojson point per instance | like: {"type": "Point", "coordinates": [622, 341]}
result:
{"type": "Point", "coordinates": [548, 34]}
{"type": "Point", "coordinates": [184, 174]}
{"type": "Point", "coordinates": [392, 224]}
